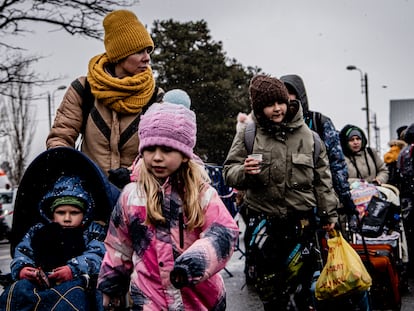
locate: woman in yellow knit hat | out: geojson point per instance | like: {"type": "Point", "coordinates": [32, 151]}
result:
{"type": "Point", "coordinates": [105, 106]}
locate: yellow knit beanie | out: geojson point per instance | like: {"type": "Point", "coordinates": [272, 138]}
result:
{"type": "Point", "coordinates": [124, 35]}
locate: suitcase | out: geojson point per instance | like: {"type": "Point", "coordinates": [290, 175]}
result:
{"type": "Point", "coordinates": [385, 289]}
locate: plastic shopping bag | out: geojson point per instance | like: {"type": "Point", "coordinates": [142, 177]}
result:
{"type": "Point", "coordinates": [344, 271]}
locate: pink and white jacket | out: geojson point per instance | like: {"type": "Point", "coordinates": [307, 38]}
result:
{"type": "Point", "coordinates": [140, 257]}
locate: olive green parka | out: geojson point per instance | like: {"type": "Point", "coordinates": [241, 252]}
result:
{"type": "Point", "coordinates": [290, 179]}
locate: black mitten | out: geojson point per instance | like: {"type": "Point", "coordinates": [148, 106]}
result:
{"type": "Point", "coordinates": [119, 177]}
{"type": "Point", "coordinates": [179, 277]}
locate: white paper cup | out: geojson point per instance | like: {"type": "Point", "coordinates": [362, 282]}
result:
{"type": "Point", "coordinates": [257, 157]}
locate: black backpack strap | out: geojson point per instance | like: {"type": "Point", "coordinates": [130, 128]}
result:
{"type": "Point", "coordinates": [314, 124]}
{"type": "Point", "coordinates": [133, 126]}
{"type": "Point", "coordinates": [88, 108]}
{"type": "Point", "coordinates": [79, 88]}
{"type": "Point", "coordinates": [87, 100]}
{"type": "Point", "coordinates": [318, 119]}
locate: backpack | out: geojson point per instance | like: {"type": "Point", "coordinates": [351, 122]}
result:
{"type": "Point", "coordinates": [315, 122]}
{"type": "Point", "coordinates": [250, 133]}
{"type": "Point", "coordinates": [88, 108]}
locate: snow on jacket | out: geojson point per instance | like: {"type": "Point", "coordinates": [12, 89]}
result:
{"type": "Point", "coordinates": [289, 179]}
{"type": "Point", "coordinates": [89, 261]}
{"type": "Point", "coordinates": [111, 144]}
{"type": "Point", "coordinates": [140, 257]}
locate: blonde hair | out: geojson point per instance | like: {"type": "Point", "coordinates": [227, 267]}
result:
{"type": "Point", "coordinates": [191, 177]}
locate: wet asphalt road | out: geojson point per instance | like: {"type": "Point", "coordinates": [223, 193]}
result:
{"type": "Point", "coordinates": [239, 297]}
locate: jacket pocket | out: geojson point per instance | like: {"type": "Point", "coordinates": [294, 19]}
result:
{"type": "Point", "coordinates": [302, 171]}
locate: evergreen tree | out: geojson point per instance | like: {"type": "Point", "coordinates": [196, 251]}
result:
{"type": "Point", "coordinates": [186, 57]}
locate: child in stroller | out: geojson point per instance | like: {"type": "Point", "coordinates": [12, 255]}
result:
{"type": "Point", "coordinates": [56, 262]}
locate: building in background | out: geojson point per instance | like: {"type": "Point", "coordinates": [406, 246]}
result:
{"type": "Point", "coordinates": [401, 113]}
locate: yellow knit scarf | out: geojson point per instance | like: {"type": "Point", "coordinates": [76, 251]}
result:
{"type": "Point", "coordinates": [127, 95]}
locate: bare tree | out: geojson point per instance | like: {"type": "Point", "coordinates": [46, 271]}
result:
{"type": "Point", "coordinates": [79, 17]}
{"type": "Point", "coordinates": [17, 17]}
{"type": "Point", "coordinates": [17, 122]}
{"type": "Point", "coordinates": [11, 72]}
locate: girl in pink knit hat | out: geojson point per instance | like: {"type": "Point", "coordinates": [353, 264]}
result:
{"type": "Point", "coordinates": [170, 233]}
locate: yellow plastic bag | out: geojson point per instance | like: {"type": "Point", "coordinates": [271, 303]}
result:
{"type": "Point", "coordinates": [344, 271]}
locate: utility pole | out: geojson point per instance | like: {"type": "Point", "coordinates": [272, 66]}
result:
{"type": "Point", "coordinates": [364, 89]}
{"type": "Point", "coordinates": [50, 97]}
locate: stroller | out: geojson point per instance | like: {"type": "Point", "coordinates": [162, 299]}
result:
{"type": "Point", "coordinates": [37, 180]}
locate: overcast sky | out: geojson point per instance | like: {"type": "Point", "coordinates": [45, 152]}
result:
{"type": "Point", "coordinates": [316, 39]}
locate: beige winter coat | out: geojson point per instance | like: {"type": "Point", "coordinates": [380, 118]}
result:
{"type": "Point", "coordinates": [112, 144]}
{"type": "Point", "coordinates": [370, 168]}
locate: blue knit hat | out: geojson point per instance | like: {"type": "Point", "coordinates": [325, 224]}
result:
{"type": "Point", "coordinates": [179, 97]}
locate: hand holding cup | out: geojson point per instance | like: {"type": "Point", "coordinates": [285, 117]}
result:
{"type": "Point", "coordinates": [252, 164]}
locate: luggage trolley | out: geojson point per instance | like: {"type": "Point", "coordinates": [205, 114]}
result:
{"type": "Point", "coordinates": [382, 247]}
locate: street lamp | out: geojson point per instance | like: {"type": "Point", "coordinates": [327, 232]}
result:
{"type": "Point", "coordinates": [49, 101]}
{"type": "Point", "coordinates": [364, 88]}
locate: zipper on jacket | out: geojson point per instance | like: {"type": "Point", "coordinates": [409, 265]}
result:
{"type": "Point", "coordinates": [181, 226]}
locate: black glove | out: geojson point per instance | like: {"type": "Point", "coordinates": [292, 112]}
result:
{"type": "Point", "coordinates": [119, 177]}
{"type": "Point", "coordinates": [348, 203]}
{"type": "Point", "coordinates": [179, 277]}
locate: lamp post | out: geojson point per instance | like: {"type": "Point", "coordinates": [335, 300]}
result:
{"type": "Point", "coordinates": [49, 101]}
{"type": "Point", "coordinates": [364, 88]}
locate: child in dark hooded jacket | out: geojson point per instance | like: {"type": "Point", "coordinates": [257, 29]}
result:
{"type": "Point", "coordinates": [65, 249]}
